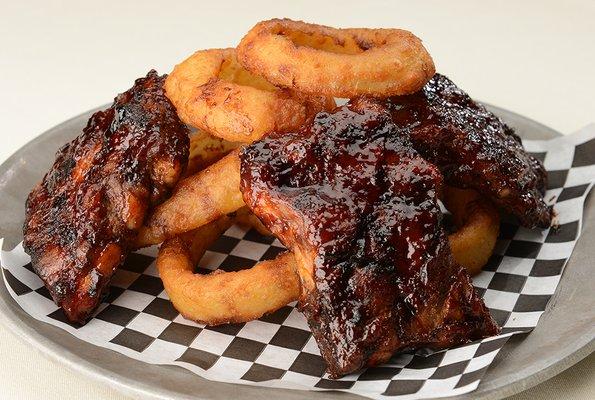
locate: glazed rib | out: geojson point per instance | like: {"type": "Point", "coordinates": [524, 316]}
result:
{"type": "Point", "coordinates": [474, 149]}
{"type": "Point", "coordinates": [83, 217]}
{"type": "Point", "coordinates": [358, 206]}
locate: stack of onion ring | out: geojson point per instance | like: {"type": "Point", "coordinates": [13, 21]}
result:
{"type": "Point", "coordinates": [211, 91]}
{"type": "Point", "coordinates": [336, 62]}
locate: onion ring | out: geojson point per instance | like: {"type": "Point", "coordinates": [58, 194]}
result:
{"type": "Point", "coordinates": [211, 91]}
{"type": "Point", "coordinates": [223, 297]}
{"type": "Point", "coordinates": [196, 201]}
{"type": "Point", "coordinates": [336, 62]}
{"type": "Point", "coordinates": [477, 224]}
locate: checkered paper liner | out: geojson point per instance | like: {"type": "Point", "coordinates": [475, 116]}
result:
{"type": "Point", "coordinates": [278, 350]}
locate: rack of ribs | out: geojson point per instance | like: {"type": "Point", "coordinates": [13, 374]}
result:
{"type": "Point", "coordinates": [358, 206]}
{"type": "Point", "coordinates": [81, 220]}
{"type": "Point", "coordinates": [474, 149]}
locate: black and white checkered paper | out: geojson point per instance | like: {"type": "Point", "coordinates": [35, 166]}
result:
{"type": "Point", "coordinates": [137, 319]}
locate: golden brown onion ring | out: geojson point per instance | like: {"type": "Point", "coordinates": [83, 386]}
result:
{"type": "Point", "coordinates": [211, 91]}
{"type": "Point", "coordinates": [196, 201]}
{"type": "Point", "coordinates": [223, 297]}
{"type": "Point", "coordinates": [336, 62]}
{"type": "Point", "coordinates": [477, 224]}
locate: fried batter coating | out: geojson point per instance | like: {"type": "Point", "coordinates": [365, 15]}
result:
{"type": "Point", "coordinates": [335, 62]}
{"type": "Point", "coordinates": [212, 92]}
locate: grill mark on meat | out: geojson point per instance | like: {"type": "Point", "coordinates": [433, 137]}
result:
{"type": "Point", "coordinates": [82, 218]}
{"type": "Point", "coordinates": [358, 206]}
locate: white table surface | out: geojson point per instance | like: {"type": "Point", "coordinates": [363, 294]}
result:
{"type": "Point", "coordinates": [60, 58]}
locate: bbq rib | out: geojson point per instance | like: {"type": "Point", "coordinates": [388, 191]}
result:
{"type": "Point", "coordinates": [83, 217]}
{"type": "Point", "coordinates": [358, 206]}
{"type": "Point", "coordinates": [474, 149]}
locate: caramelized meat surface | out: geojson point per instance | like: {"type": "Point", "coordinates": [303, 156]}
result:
{"type": "Point", "coordinates": [474, 149]}
{"type": "Point", "coordinates": [83, 217]}
{"type": "Point", "coordinates": [358, 206]}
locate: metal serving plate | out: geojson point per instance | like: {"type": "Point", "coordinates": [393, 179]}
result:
{"type": "Point", "coordinates": [565, 334]}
